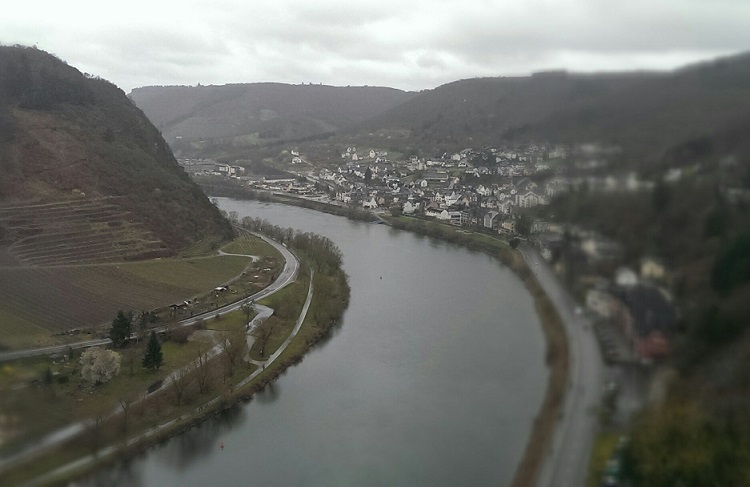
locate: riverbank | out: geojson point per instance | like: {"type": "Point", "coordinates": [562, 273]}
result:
{"type": "Point", "coordinates": [557, 348]}
{"type": "Point", "coordinates": [326, 305]}
{"type": "Point", "coordinates": [557, 354]}
{"type": "Point", "coordinates": [240, 192]}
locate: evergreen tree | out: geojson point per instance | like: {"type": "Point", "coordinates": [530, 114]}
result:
{"type": "Point", "coordinates": [153, 359]}
{"type": "Point", "coordinates": [121, 328]}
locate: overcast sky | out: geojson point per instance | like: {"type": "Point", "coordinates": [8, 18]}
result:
{"type": "Point", "coordinates": [405, 44]}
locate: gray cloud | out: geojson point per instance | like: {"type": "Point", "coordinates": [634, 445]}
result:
{"type": "Point", "coordinates": [411, 45]}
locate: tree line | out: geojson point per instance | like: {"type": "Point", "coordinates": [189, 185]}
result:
{"type": "Point", "coordinates": [321, 251]}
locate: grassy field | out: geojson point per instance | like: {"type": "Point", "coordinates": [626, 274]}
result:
{"type": "Point", "coordinates": [287, 305]}
{"type": "Point", "coordinates": [228, 322]}
{"type": "Point", "coordinates": [251, 245]}
{"type": "Point", "coordinates": [42, 305]}
{"type": "Point", "coordinates": [203, 247]}
{"type": "Point", "coordinates": [76, 400]}
{"type": "Point", "coordinates": [72, 398]}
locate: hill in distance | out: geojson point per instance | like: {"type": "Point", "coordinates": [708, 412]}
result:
{"type": "Point", "coordinates": [646, 113]}
{"type": "Point", "coordinates": [257, 114]}
{"type": "Point", "coordinates": [84, 175]}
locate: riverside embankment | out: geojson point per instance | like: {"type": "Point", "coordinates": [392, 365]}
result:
{"type": "Point", "coordinates": [435, 377]}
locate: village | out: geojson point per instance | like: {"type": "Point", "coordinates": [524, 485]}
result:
{"type": "Point", "coordinates": [495, 191]}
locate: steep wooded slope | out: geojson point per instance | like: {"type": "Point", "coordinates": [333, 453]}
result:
{"type": "Point", "coordinates": [69, 137]}
{"type": "Point", "coordinates": [644, 112]}
{"type": "Point", "coordinates": [258, 113]}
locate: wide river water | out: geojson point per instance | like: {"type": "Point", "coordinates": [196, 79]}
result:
{"type": "Point", "coordinates": [433, 379]}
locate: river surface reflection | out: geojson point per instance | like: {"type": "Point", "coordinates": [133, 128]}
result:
{"type": "Point", "coordinates": [433, 378]}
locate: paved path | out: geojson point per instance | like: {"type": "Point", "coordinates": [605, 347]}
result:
{"type": "Point", "coordinates": [287, 275]}
{"type": "Point", "coordinates": [566, 464]}
{"type": "Point", "coordinates": [104, 452]}
{"type": "Point", "coordinates": [288, 340]}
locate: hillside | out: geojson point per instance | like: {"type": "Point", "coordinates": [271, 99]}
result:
{"type": "Point", "coordinates": [647, 113]}
{"type": "Point", "coordinates": [247, 115]}
{"type": "Point", "coordinates": [85, 177]}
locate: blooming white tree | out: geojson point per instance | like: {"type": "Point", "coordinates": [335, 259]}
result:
{"type": "Point", "coordinates": [99, 365]}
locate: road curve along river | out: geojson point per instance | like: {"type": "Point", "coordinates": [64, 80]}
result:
{"type": "Point", "coordinates": [434, 378]}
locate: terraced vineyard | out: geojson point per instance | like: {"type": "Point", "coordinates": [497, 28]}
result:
{"type": "Point", "coordinates": [73, 232]}
{"type": "Point", "coordinates": [71, 265]}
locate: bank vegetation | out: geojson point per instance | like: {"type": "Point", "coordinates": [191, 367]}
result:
{"type": "Point", "coordinates": [212, 377]}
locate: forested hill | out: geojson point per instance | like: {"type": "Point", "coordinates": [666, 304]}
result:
{"type": "Point", "coordinates": [66, 137]}
{"type": "Point", "coordinates": [259, 113]}
{"type": "Point", "coordinates": [645, 112]}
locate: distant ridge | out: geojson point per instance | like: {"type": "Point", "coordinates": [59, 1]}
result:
{"type": "Point", "coordinates": [260, 113]}
{"type": "Point", "coordinates": [648, 112]}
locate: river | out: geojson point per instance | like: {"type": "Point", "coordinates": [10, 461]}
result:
{"type": "Point", "coordinates": [433, 378]}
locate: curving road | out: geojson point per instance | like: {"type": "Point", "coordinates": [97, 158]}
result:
{"type": "Point", "coordinates": [566, 463]}
{"type": "Point", "coordinates": [287, 275]}
{"type": "Point", "coordinates": [113, 449]}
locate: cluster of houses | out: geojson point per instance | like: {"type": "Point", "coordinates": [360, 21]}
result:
{"type": "Point", "coordinates": [208, 167]}
{"type": "Point", "coordinates": [445, 187]}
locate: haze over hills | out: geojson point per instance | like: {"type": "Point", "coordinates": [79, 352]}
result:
{"type": "Point", "coordinates": [83, 168]}
{"type": "Point", "coordinates": [647, 113]}
{"type": "Point", "coordinates": [253, 114]}
{"type": "Point", "coordinates": [644, 112]}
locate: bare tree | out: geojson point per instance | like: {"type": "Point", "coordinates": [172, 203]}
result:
{"type": "Point", "coordinates": [264, 333]}
{"type": "Point", "coordinates": [233, 345]}
{"type": "Point", "coordinates": [125, 403]}
{"type": "Point", "coordinates": [248, 309]}
{"type": "Point", "coordinates": [202, 369]}
{"type": "Point", "coordinates": [94, 428]}
{"type": "Point", "coordinates": [145, 318]}
{"type": "Point", "coordinates": [129, 358]}
{"type": "Point", "coordinates": [180, 381]}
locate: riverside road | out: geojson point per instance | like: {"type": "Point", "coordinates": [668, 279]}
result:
{"type": "Point", "coordinates": [566, 463]}
{"type": "Point", "coordinates": [287, 275]}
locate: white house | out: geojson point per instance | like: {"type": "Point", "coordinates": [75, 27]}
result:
{"type": "Point", "coordinates": [370, 203]}
{"type": "Point", "coordinates": [410, 208]}
{"type": "Point", "coordinates": [529, 199]}
{"type": "Point", "coordinates": [626, 277]}
{"type": "Point", "coordinates": [509, 225]}
{"type": "Point", "coordinates": [652, 268]}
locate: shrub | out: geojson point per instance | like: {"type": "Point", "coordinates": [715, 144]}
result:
{"type": "Point", "coordinates": [180, 334]}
